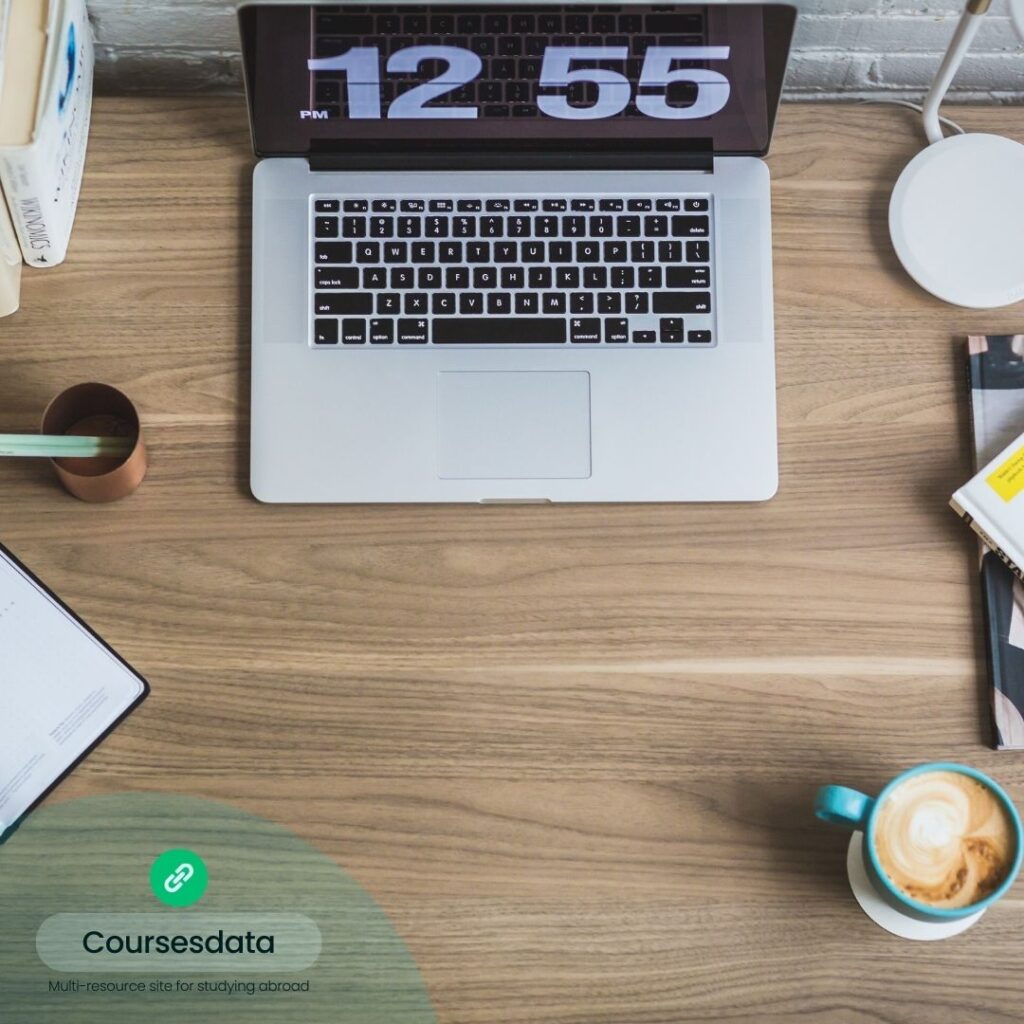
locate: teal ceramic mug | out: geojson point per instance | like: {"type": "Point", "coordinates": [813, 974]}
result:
{"type": "Point", "coordinates": [858, 811]}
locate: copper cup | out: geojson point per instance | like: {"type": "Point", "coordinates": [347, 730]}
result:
{"type": "Point", "coordinates": [102, 411]}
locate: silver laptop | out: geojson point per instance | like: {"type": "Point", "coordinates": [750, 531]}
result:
{"type": "Point", "coordinates": [507, 253]}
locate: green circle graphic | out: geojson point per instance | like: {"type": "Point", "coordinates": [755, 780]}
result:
{"type": "Point", "coordinates": [178, 878]}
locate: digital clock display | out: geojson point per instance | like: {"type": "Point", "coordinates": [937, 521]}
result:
{"type": "Point", "coordinates": [544, 72]}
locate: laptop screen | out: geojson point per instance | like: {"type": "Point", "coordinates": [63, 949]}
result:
{"type": "Point", "coordinates": [365, 78]}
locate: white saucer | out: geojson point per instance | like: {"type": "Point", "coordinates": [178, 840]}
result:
{"type": "Point", "coordinates": [885, 916]}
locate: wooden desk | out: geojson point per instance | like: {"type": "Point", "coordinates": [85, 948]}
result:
{"type": "Point", "coordinates": [570, 750]}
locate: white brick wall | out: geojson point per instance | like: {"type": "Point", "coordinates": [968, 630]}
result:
{"type": "Point", "coordinates": [844, 48]}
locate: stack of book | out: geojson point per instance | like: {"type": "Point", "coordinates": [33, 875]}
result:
{"type": "Point", "coordinates": [46, 70]}
{"type": "Point", "coordinates": [992, 502]}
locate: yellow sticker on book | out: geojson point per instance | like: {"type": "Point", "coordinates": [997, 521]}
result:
{"type": "Point", "coordinates": [1007, 480]}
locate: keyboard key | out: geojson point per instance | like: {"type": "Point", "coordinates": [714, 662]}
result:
{"type": "Point", "coordinates": [396, 252]}
{"type": "Point", "coordinates": [554, 205]}
{"type": "Point", "coordinates": [650, 277]}
{"type": "Point", "coordinates": [384, 206]}
{"type": "Point", "coordinates": [656, 226]}
{"type": "Point", "coordinates": [367, 252]}
{"type": "Point", "coordinates": [586, 252]}
{"type": "Point", "coordinates": [568, 277]}
{"type": "Point", "coordinates": [697, 252]}
{"type": "Point", "coordinates": [518, 227]}
{"type": "Point", "coordinates": [429, 277]}
{"type": "Point", "coordinates": [415, 302]}
{"type": "Point", "coordinates": [695, 205]}
{"type": "Point", "coordinates": [478, 252]}
{"type": "Point", "coordinates": [443, 303]}
{"type": "Point", "coordinates": [326, 227]}
{"type": "Point", "coordinates": [499, 302]}
{"type": "Point", "coordinates": [611, 205]}
{"type": "Point", "coordinates": [409, 227]}
{"type": "Point", "coordinates": [333, 252]}
{"type": "Point", "coordinates": [374, 277]}
{"type": "Point", "coordinates": [644, 337]}
{"type": "Point", "coordinates": [532, 252]}
{"type": "Point", "coordinates": [525, 205]}
{"type": "Point", "coordinates": [449, 252]}
{"type": "Point", "coordinates": [670, 252]}
{"type": "Point", "coordinates": [456, 277]}
{"type": "Point", "coordinates": [485, 277]}
{"type": "Point", "coordinates": [353, 332]}
{"type": "Point", "coordinates": [413, 205]}
{"type": "Point", "coordinates": [681, 302]}
{"type": "Point", "coordinates": [325, 332]}
{"type": "Point", "coordinates": [699, 337]}
{"type": "Point", "coordinates": [413, 332]}
{"type": "Point", "coordinates": [540, 278]}
{"type": "Point", "coordinates": [666, 205]}
{"type": "Point", "coordinates": [469, 205]}
{"type": "Point", "coordinates": [595, 277]}
{"type": "Point", "coordinates": [471, 303]}
{"type": "Point", "coordinates": [616, 330]}
{"type": "Point", "coordinates": [442, 205]}
{"type": "Point", "coordinates": [643, 252]}
{"type": "Point", "coordinates": [584, 331]}
{"type": "Point", "coordinates": [671, 330]}
{"type": "Point", "coordinates": [422, 252]}
{"type": "Point", "coordinates": [353, 227]}
{"type": "Point", "coordinates": [389, 302]}
{"type": "Point", "coordinates": [382, 332]}
{"type": "Point", "coordinates": [497, 205]}
{"type": "Point", "coordinates": [581, 302]}
{"type": "Point", "coordinates": [636, 302]}
{"type": "Point", "coordinates": [512, 277]}
{"type": "Point", "coordinates": [615, 252]}
{"type": "Point", "coordinates": [492, 227]}
{"type": "Point", "coordinates": [327, 206]}
{"type": "Point", "coordinates": [684, 227]}
{"type": "Point", "coordinates": [583, 204]}
{"type": "Point", "coordinates": [506, 252]}
{"type": "Point", "coordinates": [600, 226]}
{"type": "Point", "coordinates": [464, 227]}
{"type": "Point", "coordinates": [500, 331]}
{"type": "Point", "coordinates": [622, 277]}
{"type": "Point", "coordinates": [402, 277]}
{"type": "Point", "coordinates": [342, 303]}
{"type": "Point", "coordinates": [559, 252]}
{"type": "Point", "coordinates": [687, 277]}
{"type": "Point", "coordinates": [342, 277]}
{"type": "Point", "coordinates": [553, 302]}
{"type": "Point", "coordinates": [355, 206]}
{"type": "Point", "coordinates": [547, 227]}
{"type": "Point", "coordinates": [639, 205]}
{"type": "Point", "coordinates": [382, 227]}
{"type": "Point", "coordinates": [609, 302]}
{"type": "Point", "coordinates": [527, 303]}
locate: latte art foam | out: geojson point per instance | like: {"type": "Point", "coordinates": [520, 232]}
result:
{"type": "Point", "coordinates": [944, 839]}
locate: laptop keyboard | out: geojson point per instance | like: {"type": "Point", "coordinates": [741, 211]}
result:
{"type": "Point", "coordinates": [512, 271]}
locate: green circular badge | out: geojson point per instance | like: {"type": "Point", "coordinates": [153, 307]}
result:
{"type": "Point", "coordinates": [178, 878]}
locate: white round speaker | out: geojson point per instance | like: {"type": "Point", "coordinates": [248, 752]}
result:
{"type": "Point", "coordinates": [956, 218]}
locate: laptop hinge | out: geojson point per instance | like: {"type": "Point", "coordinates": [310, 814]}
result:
{"type": "Point", "coordinates": [440, 155]}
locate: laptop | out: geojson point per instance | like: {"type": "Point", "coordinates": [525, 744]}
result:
{"type": "Point", "coordinates": [513, 252]}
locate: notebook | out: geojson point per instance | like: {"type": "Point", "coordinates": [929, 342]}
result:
{"type": "Point", "coordinates": [62, 689]}
{"type": "Point", "coordinates": [996, 379]}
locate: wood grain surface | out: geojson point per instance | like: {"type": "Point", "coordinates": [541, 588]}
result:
{"type": "Point", "coordinates": [570, 750]}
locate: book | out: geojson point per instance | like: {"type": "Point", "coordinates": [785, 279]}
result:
{"type": "Point", "coordinates": [45, 106]}
{"type": "Point", "coordinates": [10, 264]}
{"type": "Point", "coordinates": [63, 690]}
{"type": "Point", "coordinates": [996, 383]}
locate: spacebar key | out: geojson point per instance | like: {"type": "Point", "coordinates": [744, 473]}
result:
{"type": "Point", "coordinates": [499, 330]}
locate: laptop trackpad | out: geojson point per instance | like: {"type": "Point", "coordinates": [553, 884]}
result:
{"type": "Point", "coordinates": [513, 425]}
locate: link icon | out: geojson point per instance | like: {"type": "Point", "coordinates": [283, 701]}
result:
{"type": "Point", "coordinates": [178, 878]}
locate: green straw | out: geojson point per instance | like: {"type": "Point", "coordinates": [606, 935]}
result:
{"type": "Point", "coordinates": [64, 446]}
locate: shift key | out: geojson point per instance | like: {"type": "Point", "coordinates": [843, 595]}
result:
{"type": "Point", "coordinates": [344, 304]}
{"type": "Point", "coordinates": [682, 302]}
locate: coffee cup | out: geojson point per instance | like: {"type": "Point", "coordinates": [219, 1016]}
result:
{"type": "Point", "coordinates": [941, 842]}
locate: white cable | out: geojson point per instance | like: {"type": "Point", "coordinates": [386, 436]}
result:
{"type": "Point", "coordinates": [917, 108]}
{"type": "Point", "coordinates": [966, 30]}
